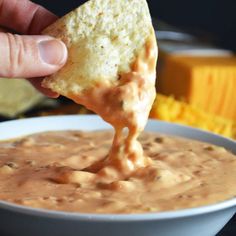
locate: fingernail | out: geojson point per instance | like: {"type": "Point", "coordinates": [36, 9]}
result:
{"type": "Point", "coordinates": [53, 52]}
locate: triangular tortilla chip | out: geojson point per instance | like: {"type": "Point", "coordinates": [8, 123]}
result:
{"type": "Point", "coordinates": [103, 38]}
{"type": "Point", "coordinates": [111, 70]}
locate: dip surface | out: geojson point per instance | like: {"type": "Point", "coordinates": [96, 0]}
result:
{"type": "Point", "coordinates": [53, 170]}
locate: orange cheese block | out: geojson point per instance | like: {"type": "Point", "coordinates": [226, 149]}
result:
{"type": "Point", "coordinates": [206, 82]}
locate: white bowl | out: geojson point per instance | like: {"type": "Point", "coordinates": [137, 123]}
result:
{"type": "Point", "coordinates": [20, 220]}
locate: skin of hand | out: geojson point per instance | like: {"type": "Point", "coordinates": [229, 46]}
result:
{"type": "Point", "coordinates": [26, 53]}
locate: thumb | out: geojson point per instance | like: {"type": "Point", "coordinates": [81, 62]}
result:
{"type": "Point", "coordinates": [30, 56]}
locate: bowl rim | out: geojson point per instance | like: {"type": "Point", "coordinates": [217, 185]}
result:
{"type": "Point", "coordinates": [166, 215]}
{"type": "Point", "coordinates": [174, 214]}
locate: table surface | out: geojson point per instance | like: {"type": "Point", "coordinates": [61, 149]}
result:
{"type": "Point", "coordinates": [229, 229]}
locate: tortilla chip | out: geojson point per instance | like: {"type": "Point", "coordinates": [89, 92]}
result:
{"type": "Point", "coordinates": [17, 96]}
{"type": "Point", "coordinates": [103, 38]}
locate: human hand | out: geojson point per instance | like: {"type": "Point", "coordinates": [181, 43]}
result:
{"type": "Point", "coordinates": [29, 55]}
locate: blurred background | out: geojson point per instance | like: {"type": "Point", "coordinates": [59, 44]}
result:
{"type": "Point", "coordinates": [196, 72]}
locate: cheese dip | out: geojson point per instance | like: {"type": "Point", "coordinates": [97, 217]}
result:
{"type": "Point", "coordinates": [61, 171]}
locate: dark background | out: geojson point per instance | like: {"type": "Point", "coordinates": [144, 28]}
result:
{"type": "Point", "coordinates": [215, 19]}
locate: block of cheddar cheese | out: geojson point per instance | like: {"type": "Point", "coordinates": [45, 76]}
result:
{"type": "Point", "coordinates": [205, 82]}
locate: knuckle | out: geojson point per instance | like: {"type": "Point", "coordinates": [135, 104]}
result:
{"type": "Point", "coordinates": [16, 51]}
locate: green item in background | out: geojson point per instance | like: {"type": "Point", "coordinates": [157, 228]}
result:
{"type": "Point", "coordinates": [17, 96]}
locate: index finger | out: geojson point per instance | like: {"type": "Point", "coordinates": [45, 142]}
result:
{"type": "Point", "coordinates": [24, 16]}
{"type": "Point", "coordinates": [36, 82]}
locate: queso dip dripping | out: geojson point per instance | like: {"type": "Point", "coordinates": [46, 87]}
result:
{"type": "Point", "coordinates": [52, 170]}
{"type": "Point", "coordinates": [125, 104]}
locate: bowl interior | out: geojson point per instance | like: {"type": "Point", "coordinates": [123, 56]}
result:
{"type": "Point", "coordinates": [18, 128]}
